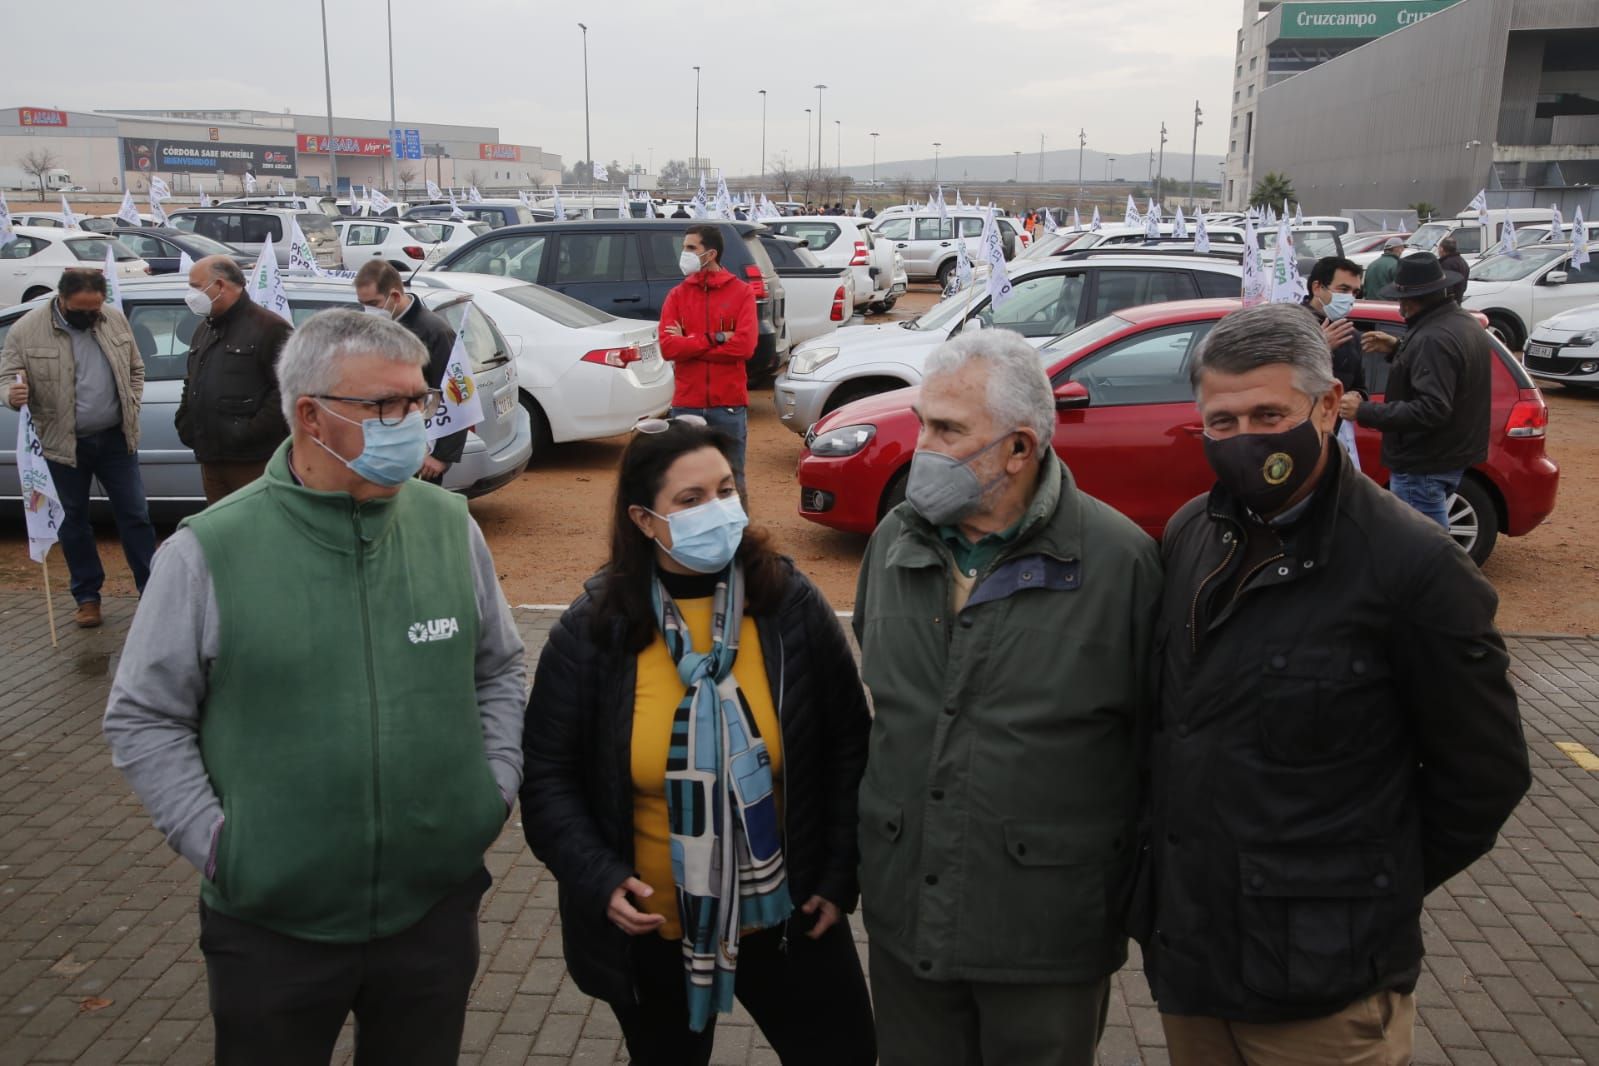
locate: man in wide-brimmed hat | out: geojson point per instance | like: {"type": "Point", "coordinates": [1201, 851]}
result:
{"type": "Point", "coordinates": [1434, 419]}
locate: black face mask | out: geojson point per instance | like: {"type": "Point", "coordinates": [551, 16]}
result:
{"type": "Point", "coordinates": [80, 319]}
{"type": "Point", "coordinates": [1265, 470]}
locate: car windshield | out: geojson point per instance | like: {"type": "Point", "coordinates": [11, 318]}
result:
{"type": "Point", "coordinates": [428, 234]}
{"type": "Point", "coordinates": [1427, 237]}
{"type": "Point", "coordinates": [92, 250]}
{"type": "Point", "coordinates": [1306, 243]}
{"type": "Point", "coordinates": [1084, 336]}
{"type": "Point", "coordinates": [942, 315]}
{"type": "Point", "coordinates": [205, 245]}
{"type": "Point", "coordinates": [555, 306]}
{"type": "Point", "coordinates": [1512, 268]}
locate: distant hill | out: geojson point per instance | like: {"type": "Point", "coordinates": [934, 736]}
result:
{"type": "Point", "coordinates": [1058, 166]}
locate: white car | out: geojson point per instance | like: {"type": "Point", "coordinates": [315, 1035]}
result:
{"type": "Point", "coordinates": [453, 233]}
{"type": "Point", "coordinates": [846, 241]}
{"type": "Point", "coordinates": [31, 265]}
{"type": "Point", "coordinates": [1517, 291]}
{"type": "Point", "coordinates": [403, 245]}
{"type": "Point", "coordinates": [1047, 299]}
{"type": "Point", "coordinates": [583, 373]}
{"type": "Point", "coordinates": [1565, 348]}
{"type": "Point", "coordinates": [929, 244]}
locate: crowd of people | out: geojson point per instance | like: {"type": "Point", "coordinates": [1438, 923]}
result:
{"type": "Point", "coordinates": [1253, 748]}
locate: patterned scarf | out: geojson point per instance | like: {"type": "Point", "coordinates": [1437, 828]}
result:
{"type": "Point", "coordinates": [727, 854]}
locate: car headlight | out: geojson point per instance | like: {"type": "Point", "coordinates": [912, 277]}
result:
{"type": "Point", "coordinates": [845, 440]}
{"type": "Point", "coordinates": [1585, 339]}
{"type": "Point", "coordinates": [811, 360]}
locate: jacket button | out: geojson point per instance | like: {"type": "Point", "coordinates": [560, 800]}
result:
{"type": "Point", "coordinates": [1027, 575]}
{"type": "Point", "coordinates": [1308, 563]}
{"type": "Point", "coordinates": [1279, 662]}
{"type": "Point", "coordinates": [924, 965]}
{"type": "Point", "coordinates": [1381, 881]}
{"type": "Point", "coordinates": [1021, 849]}
{"type": "Point", "coordinates": [966, 621]}
{"type": "Point", "coordinates": [1257, 882]}
{"type": "Point", "coordinates": [938, 793]}
{"type": "Point", "coordinates": [891, 827]}
{"type": "Point", "coordinates": [950, 711]}
{"type": "Point", "coordinates": [1282, 571]}
{"type": "Point", "coordinates": [931, 879]}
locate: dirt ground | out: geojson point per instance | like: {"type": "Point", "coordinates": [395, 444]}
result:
{"type": "Point", "coordinates": [548, 530]}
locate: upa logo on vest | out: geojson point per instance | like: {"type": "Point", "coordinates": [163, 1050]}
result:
{"type": "Point", "coordinates": [434, 629]}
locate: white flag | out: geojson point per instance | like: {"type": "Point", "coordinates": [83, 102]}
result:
{"type": "Point", "coordinates": [600, 173]}
{"type": "Point", "coordinates": [1285, 280]}
{"type": "Point", "coordinates": [1049, 222]}
{"type": "Point", "coordinates": [1094, 224]}
{"type": "Point", "coordinates": [68, 217]}
{"type": "Point", "coordinates": [433, 192]}
{"type": "Point", "coordinates": [1077, 221]}
{"type": "Point", "coordinates": [1201, 234]}
{"type": "Point", "coordinates": [473, 196]}
{"type": "Point", "coordinates": [1299, 214]}
{"type": "Point", "coordinates": [378, 201]}
{"type": "Point", "coordinates": [1179, 225]}
{"type": "Point", "coordinates": [459, 215]}
{"type": "Point", "coordinates": [1270, 218]}
{"type": "Point", "coordinates": [1557, 229]}
{"type": "Point", "coordinates": [128, 213]}
{"type": "Point", "coordinates": [527, 201]}
{"type": "Point", "coordinates": [724, 200]}
{"type": "Point", "coordinates": [158, 214]}
{"type": "Point", "coordinates": [281, 190]}
{"type": "Point", "coordinates": [1346, 437]}
{"type": "Point", "coordinates": [940, 208]}
{"type": "Point", "coordinates": [1579, 241]}
{"type": "Point", "coordinates": [1132, 218]}
{"type": "Point", "coordinates": [999, 287]}
{"type": "Point", "coordinates": [113, 283]}
{"type": "Point", "coordinates": [857, 208]}
{"type": "Point", "coordinates": [1507, 239]}
{"type": "Point", "coordinates": [40, 501]}
{"type": "Point", "coordinates": [1152, 223]}
{"type": "Point", "coordinates": [249, 182]}
{"type": "Point", "coordinates": [1479, 203]}
{"type": "Point", "coordinates": [624, 209]}
{"type": "Point", "coordinates": [185, 264]}
{"type": "Point", "coordinates": [301, 257]}
{"type": "Point", "coordinates": [8, 232]}
{"type": "Point", "coordinates": [159, 190]}
{"type": "Point", "coordinates": [958, 199]}
{"type": "Point", "coordinates": [205, 200]}
{"type": "Point", "coordinates": [963, 265]}
{"type": "Point", "coordinates": [1255, 283]}
{"type": "Point", "coordinates": [560, 212]}
{"type": "Point", "coordinates": [1385, 227]}
{"type": "Point", "coordinates": [266, 285]}
{"type": "Point", "coordinates": [460, 406]}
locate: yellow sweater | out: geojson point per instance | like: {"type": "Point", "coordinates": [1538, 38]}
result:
{"type": "Point", "coordinates": [655, 701]}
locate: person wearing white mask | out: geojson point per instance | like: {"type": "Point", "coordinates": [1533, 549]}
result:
{"type": "Point", "coordinates": [230, 411]}
{"type": "Point", "coordinates": [694, 740]}
{"type": "Point", "coordinates": [708, 331]}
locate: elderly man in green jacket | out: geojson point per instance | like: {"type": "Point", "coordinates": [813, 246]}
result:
{"type": "Point", "coordinates": [1005, 623]}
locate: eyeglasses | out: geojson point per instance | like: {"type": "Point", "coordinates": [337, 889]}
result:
{"type": "Point", "coordinates": [392, 410]}
{"type": "Point", "coordinates": [661, 425]}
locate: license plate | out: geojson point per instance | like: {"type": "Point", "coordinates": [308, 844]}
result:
{"type": "Point", "coordinates": [503, 404]}
{"type": "Point", "coordinates": [1540, 351]}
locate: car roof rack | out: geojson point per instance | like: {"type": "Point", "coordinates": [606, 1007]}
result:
{"type": "Point", "coordinates": [1107, 251]}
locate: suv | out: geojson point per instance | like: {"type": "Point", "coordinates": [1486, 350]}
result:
{"type": "Point", "coordinates": [247, 229]}
{"type": "Point", "coordinates": [627, 266]}
{"type": "Point", "coordinates": [496, 213]}
{"type": "Point", "coordinates": [847, 241]}
{"type": "Point", "coordinates": [1048, 298]}
{"type": "Point", "coordinates": [928, 243]}
{"type": "Point", "coordinates": [325, 204]}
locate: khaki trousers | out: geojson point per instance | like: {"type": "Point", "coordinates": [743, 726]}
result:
{"type": "Point", "coordinates": [1376, 1031]}
{"type": "Point", "coordinates": [223, 479]}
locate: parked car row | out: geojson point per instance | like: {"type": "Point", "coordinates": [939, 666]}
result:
{"type": "Point", "coordinates": [31, 265]}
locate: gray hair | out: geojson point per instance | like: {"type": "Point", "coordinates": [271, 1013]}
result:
{"type": "Point", "coordinates": [1018, 389]}
{"type": "Point", "coordinates": [310, 363]}
{"type": "Point", "coordinates": [1264, 336]}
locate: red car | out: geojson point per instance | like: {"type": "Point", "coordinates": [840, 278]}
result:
{"type": "Point", "coordinates": [1128, 429]}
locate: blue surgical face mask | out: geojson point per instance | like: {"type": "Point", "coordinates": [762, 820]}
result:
{"type": "Point", "coordinates": [390, 455]}
{"type": "Point", "coordinates": [1338, 305]}
{"type": "Point", "coordinates": [706, 537]}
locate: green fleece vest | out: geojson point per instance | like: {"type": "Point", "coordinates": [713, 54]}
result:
{"type": "Point", "coordinates": [341, 725]}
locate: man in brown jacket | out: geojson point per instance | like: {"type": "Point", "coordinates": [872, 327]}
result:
{"type": "Point", "coordinates": [74, 363]}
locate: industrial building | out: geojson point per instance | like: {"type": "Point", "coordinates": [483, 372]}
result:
{"type": "Point", "coordinates": [107, 152]}
{"type": "Point", "coordinates": [1387, 103]}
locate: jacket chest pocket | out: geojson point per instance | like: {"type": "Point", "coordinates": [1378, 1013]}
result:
{"type": "Point", "coordinates": [240, 388]}
{"type": "Point", "coordinates": [44, 367]}
{"type": "Point", "coordinates": [1318, 704]}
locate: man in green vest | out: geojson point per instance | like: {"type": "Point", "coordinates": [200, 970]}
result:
{"type": "Point", "coordinates": [320, 703]}
{"type": "Point", "coordinates": [1005, 622]}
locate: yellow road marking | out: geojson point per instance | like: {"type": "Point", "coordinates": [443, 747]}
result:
{"type": "Point", "coordinates": [1580, 755]}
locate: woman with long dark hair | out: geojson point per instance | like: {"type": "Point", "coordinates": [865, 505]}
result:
{"type": "Point", "coordinates": [694, 740]}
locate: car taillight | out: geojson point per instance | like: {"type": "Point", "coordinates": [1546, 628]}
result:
{"type": "Point", "coordinates": [752, 274]}
{"type": "Point", "coordinates": [1529, 417]}
{"type": "Point", "coordinates": [617, 357]}
{"type": "Point", "coordinates": [860, 255]}
{"type": "Point", "coordinates": [414, 251]}
{"type": "Point", "coordinates": [837, 314]}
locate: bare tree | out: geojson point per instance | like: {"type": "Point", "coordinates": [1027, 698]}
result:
{"type": "Point", "coordinates": [38, 163]}
{"type": "Point", "coordinates": [675, 175]}
{"type": "Point", "coordinates": [406, 175]}
{"type": "Point", "coordinates": [905, 185]}
{"type": "Point", "coordinates": [782, 173]}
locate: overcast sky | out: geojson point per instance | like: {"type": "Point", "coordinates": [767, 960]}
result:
{"type": "Point", "coordinates": [982, 78]}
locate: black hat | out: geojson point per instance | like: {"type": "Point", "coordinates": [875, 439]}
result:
{"type": "Point", "coordinates": [1419, 275]}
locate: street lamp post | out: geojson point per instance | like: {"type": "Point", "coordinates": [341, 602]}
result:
{"type": "Point", "coordinates": [588, 146]}
{"type": "Point", "coordinates": [389, 8]}
{"type": "Point", "coordinates": [838, 148]}
{"type": "Point", "coordinates": [874, 160]}
{"type": "Point", "coordinates": [1110, 168]}
{"type": "Point", "coordinates": [327, 73]}
{"type": "Point", "coordinates": [807, 139]}
{"type": "Point", "coordinates": [1016, 175]}
{"type": "Point", "coordinates": [1040, 159]}
{"type": "Point", "coordinates": [1193, 157]}
{"type": "Point", "coordinates": [696, 118]}
{"type": "Point", "coordinates": [1082, 142]}
{"type": "Point", "coordinates": [1160, 168]}
{"type": "Point", "coordinates": [819, 87]}
{"type": "Point", "coordinates": [763, 137]}
{"type": "Point", "coordinates": [936, 146]}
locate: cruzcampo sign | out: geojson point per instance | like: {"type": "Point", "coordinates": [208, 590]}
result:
{"type": "Point", "coordinates": [1353, 19]}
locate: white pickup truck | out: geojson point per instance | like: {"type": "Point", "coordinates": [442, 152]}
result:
{"type": "Point", "coordinates": [817, 299]}
{"type": "Point", "coordinates": [844, 240]}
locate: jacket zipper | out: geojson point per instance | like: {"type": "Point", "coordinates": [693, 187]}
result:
{"type": "Point", "coordinates": [372, 706]}
{"type": "Point", "coordinates": [782, 823]}
{"type": "Point", "coordinates": [1257, 569]}
{"type": "Point", "coordinates": [1193, 611]}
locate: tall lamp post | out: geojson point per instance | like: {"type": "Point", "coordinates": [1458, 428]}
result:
{"type": "Point", "coordinates": [819, 87]}
{"type": "Point", "coordinates": [1110, 168]}
{"type": "Point", "coordinates": [936, 146]}
{"type": "Point", "coordinates": [697, 164]}
{"type": "Point", "coordinates": [327, 74]}
{"type": "Point", "coordinates": [588, 147]}
{"type": "Point", "coordinates": [1193, 157]}
{"type": "Point", "coordinates": [838, 148]}
{"type": "Point", "coordinates": [1040, 159]}
{"type": "Point", "coordinates": [1082, 142]}
{"type": "Point", "coordinates": [763, 137]}
{"type": "Point", "coordinates": [389, 8]}
{"type": "Point", "coordinates": [1160, 168]}
{"type": "Point", "coordinates": [874, 160]}
{"type": "Point", "coordinates": [1016, 175]}
{"type": "Point", "coordinates": [807, 138]}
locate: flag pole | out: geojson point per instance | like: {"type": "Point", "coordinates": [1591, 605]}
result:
{"type": "Point", "coordinates": [49, 604]}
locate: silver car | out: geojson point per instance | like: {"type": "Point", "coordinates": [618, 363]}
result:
{"type": "Point", "coordinates": [247, 229]}
{"type": "Point", "coordinates": [496, 451]}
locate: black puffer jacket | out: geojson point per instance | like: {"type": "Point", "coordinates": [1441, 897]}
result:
{"type": "Point", "coordinates": [1434, 416]}
{"type": "Point", "coordinates": [577, 795]}
{"type": "Point", "coordinates": [1333, 742]}
{"type": "Point", "coordinates": [230, 411]}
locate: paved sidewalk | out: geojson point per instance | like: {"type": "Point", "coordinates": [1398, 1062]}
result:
{"type": "Point", "coordinates": [99, 961]}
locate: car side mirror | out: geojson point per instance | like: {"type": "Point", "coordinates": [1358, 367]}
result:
{"type": "Point", "coordinates": [1070, 395]}
{"type": "Point", "coordinates": [1555, 277]}
{"type": "Point", "coordinates": [975, 322]}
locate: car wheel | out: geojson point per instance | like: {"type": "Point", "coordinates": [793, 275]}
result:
{"type": "Point", "coordinates": [945, 272]}
{"type": "Point", "coordinates": [1504, 327]}
{"type": "Point", "coordinates": [888, 305]}
{"type": "Point", "coordinates": [894, 495]}
{"type": "Point", "coordinates": [539, 425]}
{"type": "Point", "coordinates": [857, 390]}
{"type": "Point", "coordinates": [36, 292]}
{"type": "Point", "coordinates": [1473, 519]}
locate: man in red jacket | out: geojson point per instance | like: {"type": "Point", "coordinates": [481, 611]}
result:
{"type": "Point", "coordinates": [708, 330]}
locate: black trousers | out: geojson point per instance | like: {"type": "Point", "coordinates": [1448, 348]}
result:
{"type": "Point", "coordinates": [280, 1001]}
{"type": "Point", "coordinates": [810, 1001]}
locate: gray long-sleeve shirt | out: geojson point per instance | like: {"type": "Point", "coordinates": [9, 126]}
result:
{"type": "Point", "coordinates": [157, 704]}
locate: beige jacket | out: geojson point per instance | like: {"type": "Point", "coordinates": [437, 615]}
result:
{"type": "Point", "coordinates": [41, 349]}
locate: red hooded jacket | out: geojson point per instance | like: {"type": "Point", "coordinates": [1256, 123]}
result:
{"type": "Point", "coordinates": [709, 374]}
